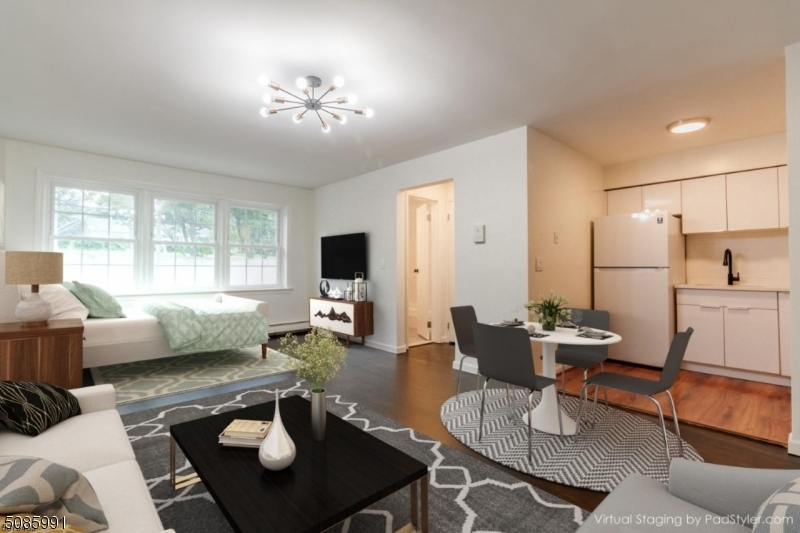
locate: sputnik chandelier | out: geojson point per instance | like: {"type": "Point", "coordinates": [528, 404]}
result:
{"type": "Point", "coordinates": [309, 102]}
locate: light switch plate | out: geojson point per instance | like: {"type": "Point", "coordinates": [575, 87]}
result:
{"type": "Point", "coordinates": [479, 234]}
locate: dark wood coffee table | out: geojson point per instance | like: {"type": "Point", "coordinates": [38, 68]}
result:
{"type": "Point", "coordinates": [328, 482]}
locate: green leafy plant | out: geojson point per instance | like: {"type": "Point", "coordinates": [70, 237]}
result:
{"type": "Point", "coordinates": [550, 310]}
{"type": "Point", "coordinates": [318, 359]}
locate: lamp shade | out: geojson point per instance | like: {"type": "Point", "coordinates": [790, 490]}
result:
{"type": "Point", "coordinates": [34, 268]}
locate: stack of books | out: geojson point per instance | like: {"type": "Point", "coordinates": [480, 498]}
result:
{"type": "Point", "coordinates": [245, 433]}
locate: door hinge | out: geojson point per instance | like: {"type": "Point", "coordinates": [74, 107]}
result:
{"type": "Point", "coordinates": [448, 326]}
{"type": "Point", "coordinates": [448, 216]}
{"type": "Point", "coordinates": [429, 324]}
{"type": "Point", "coordinates": [429, 218]}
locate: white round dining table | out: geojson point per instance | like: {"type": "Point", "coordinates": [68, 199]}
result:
{"type": "Point", "coordinates": [545, 415]}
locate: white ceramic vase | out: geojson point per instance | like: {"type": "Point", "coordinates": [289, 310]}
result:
{"type": "Point", "coordinates": [278, 449]}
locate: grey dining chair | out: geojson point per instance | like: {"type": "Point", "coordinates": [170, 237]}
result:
{"type": "Point", "coordinates": [585, 357]}
{"type": "Point", "coordinates": [463, 318]}
{"type": "Point", "coordinates": [646, 387]}
{"type": "Point", "coordinates": [504, 354]}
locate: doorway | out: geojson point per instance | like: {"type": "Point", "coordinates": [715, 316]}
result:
{"type": "Point", "coordinates": [429, 264]}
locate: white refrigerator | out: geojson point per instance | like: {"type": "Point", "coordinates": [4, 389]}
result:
{"type": "Point", "coordinates": [638, 260]}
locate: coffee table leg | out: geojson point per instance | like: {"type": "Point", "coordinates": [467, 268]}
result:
{"type": "Point", "coordinates": [179, 482]}
{"type": "Point", "coordinates": [424, 521]}
{"type": "Point", "coordinates": [414, 510]}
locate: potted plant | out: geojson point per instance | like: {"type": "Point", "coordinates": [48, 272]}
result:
{"type": "Point", "coordinates": [317, 360]}
{"type": "Point", "coordinates": [550, 310]}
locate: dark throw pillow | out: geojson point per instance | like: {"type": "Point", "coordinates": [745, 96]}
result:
{"type": "Point", "coordinates": [30, 407]}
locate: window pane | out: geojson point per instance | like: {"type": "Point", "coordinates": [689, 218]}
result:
{"type": "Point", "coordinates": [254, 275]}
{"type": "Point", "coordinates": [253, 226]}
{"type": "Point", "coordinates": [163, 277]}
{"type": "Point", "coordinates": [95, 226]}
{"type": "Point", "coordinates": [95, 274]}
{"type": "Point", "coordinates": [71, 250]}
{"type": "Point", "coordinates": [120, 278]}
{"type": "Point", "coordinates": [238, 276]}
{"type": "Point", "coordinates": [122, 228]}
{"type": "Point", "coordinates": [68, 224]}
{"type": "Point", "coordinates": [205, 276]}
{"type": "Point", "coordinates": [68, 200]}
{"type": "Point", "coordinates": [122, 206]}
{"type": "Point", "coordinates": [189, 222]}
{"type": "Point", "coordinates": [96, 203]}
{"type": "Point", "coordinates": [270, 275]}
{"type": "Point", "coordinates": [72, 273]}
{"type": "Point", "coordinates": [238, 225]}
{"type": "Point", "coordinates": [121, 254]}
{"type": "Point", "coordinates": [94, 253]}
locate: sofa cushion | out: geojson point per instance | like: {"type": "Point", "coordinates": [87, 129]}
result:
{"type": "Point", "coordinates": [38, 486]}
{"type": "Point", "coordinates": [30, 407]}
{"type": "Point", "coordinates": [65, 304]}
{"type": "Point", "coordinates": [780, 509]}
{"type": "Point", "coordinates": [99, 302]}
{"type": "Point", "coordinates": [137, 326]}
{"type": "Point", "coordinates": [642, 504]}
{"type": "Point", "coordinates": [83, 442]}
{"type": "Point", "coordinates": [125, 499]}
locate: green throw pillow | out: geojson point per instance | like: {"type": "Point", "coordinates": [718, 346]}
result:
{"type": "Point", "coordinates": [99, 303]}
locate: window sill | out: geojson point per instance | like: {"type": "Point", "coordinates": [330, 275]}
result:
{"type": "Point", "coordinates": [204, 292]}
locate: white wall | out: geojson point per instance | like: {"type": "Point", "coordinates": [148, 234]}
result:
{"type": "Point", "coordinates": [23, 160]}
{"type": "Point", "coordinates": [490, 187]}
{"type": "Point", "coordinates": [793, 149]}
{"type": "Point", "coordinates": [2, 192]}
{"type": "Point", "coordinates": [748, 154]}
{"type": "Point", "coordinates": [565, 194]}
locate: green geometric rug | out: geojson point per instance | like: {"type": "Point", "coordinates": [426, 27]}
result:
{"type": "Point", "coordinates": [143, 380]}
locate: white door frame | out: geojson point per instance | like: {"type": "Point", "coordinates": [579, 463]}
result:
{"type": "Point", "coordinates": [434, 254]}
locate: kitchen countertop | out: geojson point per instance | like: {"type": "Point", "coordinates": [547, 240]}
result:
{"type": "Point", "coordinates": [752, 288]}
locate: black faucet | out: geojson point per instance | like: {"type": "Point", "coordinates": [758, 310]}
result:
{"type": "Point", "coordinates": [727, 261]}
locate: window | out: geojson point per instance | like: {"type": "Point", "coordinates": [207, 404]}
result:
{"type": "Point", "coordinates": [183, 244]}
{"type": "Point", "coordinates": [131, 240]}
{"type": "Point", "coordinates": [95, 230]}
{"type": "Point", "coordinates": [254, 250]}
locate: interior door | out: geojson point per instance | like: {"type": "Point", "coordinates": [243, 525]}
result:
{"type": "Point", "coordinates": [423, 270]}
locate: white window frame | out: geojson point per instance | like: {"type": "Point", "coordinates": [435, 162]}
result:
{"type": "Point", "coordinates": [144, 241]}
{"type": "Point", "coordinates": [280, 247]}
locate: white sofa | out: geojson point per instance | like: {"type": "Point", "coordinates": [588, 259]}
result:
{"type": "Point", "coordinates": [139, 336]}
{"type": "Point", "coordinates": [95, 443]}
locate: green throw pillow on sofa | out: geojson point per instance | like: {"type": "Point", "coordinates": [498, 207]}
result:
{"type": "Point", "coordinates": [99, 303]}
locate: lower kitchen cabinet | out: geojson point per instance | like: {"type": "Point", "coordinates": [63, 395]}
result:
{"type": "Point", "coordinates": [707, 344]}
{"type": "Point", "coordinates": [785, 326]}
{"type": "Point", "coordinates": [751, 339]}
{"type": "Point", "coordinates": [734, 329]}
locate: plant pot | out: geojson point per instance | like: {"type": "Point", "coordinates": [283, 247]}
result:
{"type": "Point", "coordinates": [319, 415]}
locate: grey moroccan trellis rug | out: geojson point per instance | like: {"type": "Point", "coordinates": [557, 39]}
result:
{"type": "Point", "coordinates": [599, 458]}
{"type": "Point", "coordinates": [144, 380]}
{"type": "Point", "coordinates": [465, 494]}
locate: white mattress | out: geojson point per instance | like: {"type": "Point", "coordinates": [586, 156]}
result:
{"type": "Point", "coordinates": [137, 327]}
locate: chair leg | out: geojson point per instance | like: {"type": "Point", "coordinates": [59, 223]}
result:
{"type": "Point", "coordinates": [483, 404]}
{"type": "Point", "coordinates": [563, 383]}
{"type": "Point", "coordinates": [509, 398]}
{"type": "Point", "coordinates": [675, 421]}
{"type": "Point", "coordinates": [460, 371]}
{"type": "Point", "coordinates": [580, 410]}
{"type": "Point", "coordinates": [605, 389]}
{"type": "Point", "coordinates": [594, 407]}
{"type": "Point", "coordinates": [478, 380]}
{"type": "Point", "coordinates": [530, 425]}
{"type": "Point", "coordinates": [558, 407]}
{"type": "Point", "coordinates": [663, 426]}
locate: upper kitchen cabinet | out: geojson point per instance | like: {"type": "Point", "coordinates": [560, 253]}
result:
{"type": "Point", "coordinates": [704, 205]}
{"type": "Point", "coordinates": [753, 199]}
{"type": "Point", "coordinates": [624, 201]}
{"type": "Point", "coordinates": [783, 196]}
{"type": "Point", "coordinates": [663, 196]}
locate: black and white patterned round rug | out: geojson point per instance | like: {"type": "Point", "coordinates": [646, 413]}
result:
{"type": "Point", "coordinates": [599, 458]}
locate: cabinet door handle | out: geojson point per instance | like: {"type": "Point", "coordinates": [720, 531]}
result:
{"type": "Point", "coordinates": [734, 308]}
{"type": "Point", "coordinates": [710, 306]}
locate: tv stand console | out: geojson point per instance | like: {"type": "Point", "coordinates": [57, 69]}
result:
{"type": "Point", "coordinates": [351, 319]}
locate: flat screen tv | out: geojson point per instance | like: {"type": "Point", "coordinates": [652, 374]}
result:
{"type": "Point", "coordinates": [344, 255]}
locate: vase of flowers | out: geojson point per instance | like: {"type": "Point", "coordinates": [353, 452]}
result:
{"type": "Point", "coordinates": [317, 360]}
{"type": "Point", "coordinates": [550, 311]}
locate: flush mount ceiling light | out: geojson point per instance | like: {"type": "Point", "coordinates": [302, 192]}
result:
{"type": "Point", "coordinates": [688, 125]}
{"type": "Point", "coordinates": [310, 103]}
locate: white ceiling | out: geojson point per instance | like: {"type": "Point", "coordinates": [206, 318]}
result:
{"type": "Point", "coordinates": [175, 82]}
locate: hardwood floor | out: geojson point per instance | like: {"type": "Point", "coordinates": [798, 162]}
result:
{"type": "Point", "coordinates": [758, 410]}
{"type": "Point", "coordinates": [410, 388]}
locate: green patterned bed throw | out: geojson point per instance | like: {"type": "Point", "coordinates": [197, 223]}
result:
{"type": "Point", "coordinates": [194, 327]}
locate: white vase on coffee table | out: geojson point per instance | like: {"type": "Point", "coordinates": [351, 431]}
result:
{"type": "Point", "coordinates": [278, 450]}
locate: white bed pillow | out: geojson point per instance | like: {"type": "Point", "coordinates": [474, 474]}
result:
{"type": "Point", "coordinates": [65, 304]}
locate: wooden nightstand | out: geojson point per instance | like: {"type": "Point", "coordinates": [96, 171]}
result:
{"type": "Point", "coordinates": [51, 353]}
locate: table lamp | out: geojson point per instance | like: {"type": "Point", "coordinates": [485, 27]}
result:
{"type": "Point", "coordinates": [34, 269]}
